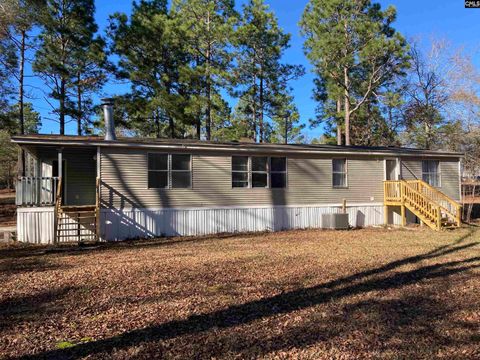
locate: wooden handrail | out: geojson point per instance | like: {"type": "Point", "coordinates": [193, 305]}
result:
{"type": "Point", "coordinates": [415, 198]}
{"type": "Point", "coordinates": [428, 202]}
{"type": "Point", "coordinates": [56, 210]}
{"type": "Point", "coordinates": [452, 207]}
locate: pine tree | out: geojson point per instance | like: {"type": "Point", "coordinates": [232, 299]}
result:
{"type": "Point", "coordinates": [260, 45]}
{"type": "Point", "coordinates": [32, 118]}
{"type": "Point", "coordinates": [68, 28]}
{"type": "Point", "coordinates": [8, 65]}
{"type": "Point", "coordinates": [354, 50]}
{"type": "Point", "coordinates": [208, 28]}
{"type": "Point", "coordinates": [17, 17]}
{"type": "Point", "coordinates": [88, 66]}
{"type": "Point", "coordinates": [153, 57]}
{"type": "Point", "coordinates": [286, 127]}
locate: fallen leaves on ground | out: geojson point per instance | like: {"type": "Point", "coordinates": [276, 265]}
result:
{"type": "Point", "coordinates": [371, 293]}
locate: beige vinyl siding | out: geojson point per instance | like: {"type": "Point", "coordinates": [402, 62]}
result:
{"type": "Point", "coordinates": [309, 181]}
{"type": "Point", "coordinates": [449, 181]}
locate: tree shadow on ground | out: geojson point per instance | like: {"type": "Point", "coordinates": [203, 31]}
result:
{"type": "Point", "coordinates": [13, 266]}
{"type": "Point", "coordinates": [26, 308]}
{"type": "Point", "coordinates": [86, 249]}
{"type": "Point", "coordinates": [413, 326]}
{"type": "Point", "coordinates": [386, 277]}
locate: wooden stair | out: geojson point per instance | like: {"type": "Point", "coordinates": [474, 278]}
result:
{"type": "Point", "coordinates": [431, 206]}
{"type": "Point", "coordinates": [76, 223]}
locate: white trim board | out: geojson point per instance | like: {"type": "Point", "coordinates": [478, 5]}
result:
{"type": "Point", "coordinates": [333, 205]}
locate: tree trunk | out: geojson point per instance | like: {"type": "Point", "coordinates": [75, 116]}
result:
{"type": "Point", "coordinates": [347, 107]}
{"type": "Point", "coordinates": [157, 124]}
{"type": "Point", "coordinates": [260, 115]}
{"type": "Point", "coordinates": [62, 106]}
{"type": "Point", "coordinates": [199, 127]}
{"type": "Point", "coordinates": [79, 107]}
{"type": "Point", "coordinates": [470, 205]}
{"type": "Point", "coordinates": [339, 127]}
{"type": "Point", "coordinates": [21, 115]}
{"type": "Point", "coordinates": [427, 136]}
{"type": "Point", "coordinates": [286, 129]}
{"type": "Point", "coordinates": [254, 109]}
{"type": "Point", "coordinates": [20, 85]}
{"type": "Point", "coordinates": [208, 125]}
{"type": "Point", "coordinates": [171, 122]}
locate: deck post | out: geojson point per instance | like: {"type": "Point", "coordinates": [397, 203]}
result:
{"type": "Point", "coordinates": [439, 218]}
{"type": "Point", "coordinates": [402, 206]}
{"type": "Point", "coordinates": [38, 185]}
{"type": "Point", "coordinates": [459, 215]}
{"type": "Point", "coordinates": [385, 215]}
{"type": "Point", "coordinates": [60, 162]}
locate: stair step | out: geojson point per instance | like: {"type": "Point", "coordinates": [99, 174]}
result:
{"type": "Point", "coordinates": [75, 236]}
{"type": "Point", "coordinates": [77, 212]}
{"type": "Point", "coordinates": [75, 223]}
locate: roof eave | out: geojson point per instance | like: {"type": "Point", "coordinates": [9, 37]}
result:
{"type": "Point", "coordinates": [229, 148]}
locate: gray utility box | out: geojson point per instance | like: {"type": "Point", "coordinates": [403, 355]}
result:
{"type": "Point", "coordinates": [335, 221]}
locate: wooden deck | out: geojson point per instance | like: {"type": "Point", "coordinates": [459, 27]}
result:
{"type": "Point", "coordinates": [431, 206]}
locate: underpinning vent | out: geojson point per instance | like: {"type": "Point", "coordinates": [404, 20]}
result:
{"type": "Point", "coordinates": [335, 221]}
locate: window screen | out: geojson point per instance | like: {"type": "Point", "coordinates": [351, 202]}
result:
{"type": "Point", "coordinates": [278, 172]}
{"type": "Point", "coordinates": [157, 171]}
{"type": "Point", "coordinates": [239, 171]}
{"type": "Point", "coordinates": [431, 172]}
{"type": "Point", "coordinates": [259, 171]}
{"type": "Point", "coordinates": [181, 171]}
{"type": "Point", "coordinates": [339, 172]}
{"type": "Point", "coordinates": [169, 171]}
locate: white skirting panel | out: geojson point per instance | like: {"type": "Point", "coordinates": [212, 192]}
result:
{"type": "Point", "coordinates": [35, 225]}
{"type": "Point", "coordinates": [141, 223]}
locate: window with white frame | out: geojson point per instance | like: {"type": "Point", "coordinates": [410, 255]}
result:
{"type": "Point", "coordinates": [339, 173]}
{"type": "Point", "coordinates": [166, 171]}
{"type": "Point", "coordinates": [431, 172]}
{"type": "Point", "coordinates": [259, 172]}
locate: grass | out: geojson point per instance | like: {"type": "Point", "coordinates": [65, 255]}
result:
{"type": "Point", "coordinates": [371, 293]}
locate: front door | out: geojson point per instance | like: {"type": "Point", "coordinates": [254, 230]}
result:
{"type": "Point", "coordinates": [392, 171]}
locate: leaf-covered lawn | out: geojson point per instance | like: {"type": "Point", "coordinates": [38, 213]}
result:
{"type": "Point", "coordinates": [393, 294]}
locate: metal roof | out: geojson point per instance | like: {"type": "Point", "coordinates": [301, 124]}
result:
{"type": "Point", "coordinates": [190, 144]}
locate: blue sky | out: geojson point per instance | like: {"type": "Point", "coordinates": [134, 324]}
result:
{"type": "Point", "coordinates": [415, 19]}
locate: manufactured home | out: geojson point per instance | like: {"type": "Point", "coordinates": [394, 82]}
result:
{"type": "Point", "coordinates": [79, 188]}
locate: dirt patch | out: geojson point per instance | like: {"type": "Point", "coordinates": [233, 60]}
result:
{"type": "Point", "coordinates": [371, 293]}
{"type": "Point", "coordinates": [8, 214]}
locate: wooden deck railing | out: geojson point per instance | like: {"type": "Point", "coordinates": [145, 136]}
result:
{"type": "Point", "coordinates": [57, 209]}
{"type": "Point", "coordinates": [36, 191]}
{"type": "Point", "coordinates": [428, 203]}
{"type": "Point", "coordinates": [452, 207]}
